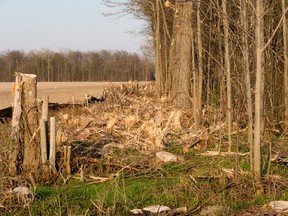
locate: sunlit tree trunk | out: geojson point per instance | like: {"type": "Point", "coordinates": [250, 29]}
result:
{"type": "Point", "coordinates": [285, 53]}
{"type": "Point", "coordinates": [220, 72]}
{"type": "Point", "coordinates": [259, 36]}
{"type": "Point", "coordinates": [199, 83]}
{"type": "Point", "coordinates": [244, 20]}
{"type": "Point", "coordinates": [181, 59]}
{"type": "Point", "coordinates": [228, 72]}
{"type": "Point", "coordinates": [209, 83]}
{"type": "Point", "coordinates": [195, 84]}
{"type": "Point", "coordinates": [162, 51]}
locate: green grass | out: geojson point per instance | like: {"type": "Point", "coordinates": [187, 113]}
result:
{"type": "Point", "coordinates": [170, 185]}
{"type": "Point", "coordinates": [120, 194]}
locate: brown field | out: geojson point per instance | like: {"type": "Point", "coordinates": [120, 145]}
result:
{"type": "Point", "coordinates": [58, 92]}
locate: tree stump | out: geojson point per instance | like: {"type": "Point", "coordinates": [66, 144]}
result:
{"type": "Point", "coordinates": [32, 153]}
{"type": "Point", "coordinates": [15, 129]}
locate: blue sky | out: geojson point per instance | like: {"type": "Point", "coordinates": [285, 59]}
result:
{"type": "Point", "coordinates": [65, 24]}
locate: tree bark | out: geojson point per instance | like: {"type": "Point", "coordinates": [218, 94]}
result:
{"type": "Point", "coordinates": [160, 75]}
{"type": "Point", "coordinates": [259, 29]}
{"type": "Point", "coordinates": [199, 80]}
{"type": "Point", "coordinates": [195, 84]}
{"type": "Point", "coordinates": [228, 72]}
{"type": "Point", "coordinates": [181, 59]}
{"type": "Point", "coordinates": [15, 129]}
{"type": "Point", "coordinates": [285, 53]}
{"type": "Point", "coordinates": [247, 78]}
{"type": "Point", "coordinates": [32, 153]}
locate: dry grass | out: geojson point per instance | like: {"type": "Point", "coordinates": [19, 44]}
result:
{"type": "Point", "coordinates": [133, 117]}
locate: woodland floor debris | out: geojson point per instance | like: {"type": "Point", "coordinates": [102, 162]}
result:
{"type": "Point", "coordinates": [117, 140]}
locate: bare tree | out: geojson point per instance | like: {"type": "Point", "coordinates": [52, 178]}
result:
{"type": "Point", "coordinates": [285, 53]}
{"type": "Point", "coordinates": [198, 77]}
{"type": "Point", "coordinates": [228, 72]}
{"type": "Point", "coordinates": [259, 29]}
{"type": "Point", "coordinates": [181, 58]}
{"type": "Point", "coordinates": [244, 23]}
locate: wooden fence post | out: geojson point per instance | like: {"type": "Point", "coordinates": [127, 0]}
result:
{"type": "Point", "coordinates": [15, 129]}
{"type": "Point", "coordinates": [45, 108]}
{"type": "Point", "coordinates": [52, 151]}
{"type": "Point", "coordinates": [32, 154]}
{"type": "Point", "coordinates": [44, 131]}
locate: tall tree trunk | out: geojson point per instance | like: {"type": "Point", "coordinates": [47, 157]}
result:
{"type": "Point", "coordinates": [220, 70]}
{"type": "Point", "coordinates": [181, 59]}
{"type": "Point", "coordinates": [199, 79]}
{"type": "Point", "coordinates": [259, 29]}
{"type": "Point", "coordinates": [195, 84]}
{"type": "Point", "coordinates": [285, 53]}
{"type": "Point", "coordinates": [209, 84]}
{"type": "Point", "coordinates": [244, 20]}
{"type": "Point", "coordinates": [162, 52]}
{"type": "Point", "coordinates": [166, 53]}
{"type": "Point", "coordinates": [160, 78]}
{"type": "Point", "coordinates": [228, 72]}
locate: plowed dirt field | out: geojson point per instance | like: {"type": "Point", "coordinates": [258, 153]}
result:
{"type": "Point", "coordinates": [58, 92]}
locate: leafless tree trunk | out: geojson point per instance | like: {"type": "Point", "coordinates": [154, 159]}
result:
{"type": "Point", "coordinates": [228, 72]}
{"type": "Point", "coordinates": [195, 84]}
{"type": "Point", "coordinates": [285, 53]}
{"type": "Point", "coordinates": [181, 59]}
{"type": "Point", "coordinates": [220, 70]}
{"type": "Point", "coordinates": [244, 20]}
{"type": "Point", "coordinates": [259, 29]}
{"type": "Point", "coordinates": [199, 77]}
{"type": "Point", "coordinates": [163, 77]}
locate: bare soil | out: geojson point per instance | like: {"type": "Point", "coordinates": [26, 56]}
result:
{"type": "Point", "coordinates": [58, 92]}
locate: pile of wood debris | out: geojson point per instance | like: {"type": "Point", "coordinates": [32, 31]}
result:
{"type": "Point", "coordinates": [132, 117]}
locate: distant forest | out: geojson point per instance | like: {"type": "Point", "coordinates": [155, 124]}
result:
{"type": "Point", "coordinates": [49, 66]}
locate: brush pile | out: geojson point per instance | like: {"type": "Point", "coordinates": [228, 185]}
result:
{"type": "Point", "coordinates": [130, 119]}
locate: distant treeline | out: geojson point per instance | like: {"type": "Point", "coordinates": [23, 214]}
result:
{"type": "Point", "coordinates": [49, 66]}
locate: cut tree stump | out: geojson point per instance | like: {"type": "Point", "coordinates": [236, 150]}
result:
{"type": "Point", "coordinates": [15, 129]}
{"type": "Point", "coordinates": [32, 153]}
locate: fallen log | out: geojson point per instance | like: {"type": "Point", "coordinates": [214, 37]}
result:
{"type": "Point", "coordinates": [56, 106]}
{"type": "Point", "coordinates": [5, 113]}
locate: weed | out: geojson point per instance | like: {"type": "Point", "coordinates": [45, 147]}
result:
{"type": "Point", "coordinates": [124, 158]}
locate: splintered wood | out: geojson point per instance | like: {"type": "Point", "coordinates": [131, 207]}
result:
{"type": "Point", "coordinates": [15, 129]}
{"type": "Point", "coordinates": [25, 117]}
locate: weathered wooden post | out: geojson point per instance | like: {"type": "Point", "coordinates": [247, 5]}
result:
{"type": "Point", "coordinates": [31, 155]}
{"type": "Point", "coordinates": [44, 131]}
{"type": "Point", "coordinates": [24, 125]}
{"type": "Point", "coordinates": [43, 137]}
{"type": "Point", "coordinates": [48, 149]}
{"type": "Point", "coordinates": [52, 152]}
{"type": "Point", "coordinates": [45, 108]}
{"type": "Point", "coordinates": [15, 129]}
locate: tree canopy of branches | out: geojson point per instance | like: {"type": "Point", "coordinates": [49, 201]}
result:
{"type": "Point", "coordinates": [226, 55]}
{"type": "Point", "coordinates": [69, 65]}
